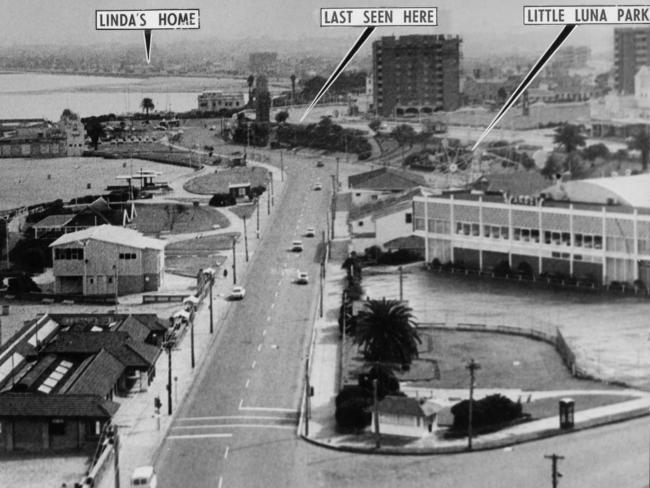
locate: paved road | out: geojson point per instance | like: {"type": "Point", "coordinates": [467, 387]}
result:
{"type": "Point", "coordinates": [238, 425]}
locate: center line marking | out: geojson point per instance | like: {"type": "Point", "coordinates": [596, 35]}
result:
{"type": "Point", "coordinates": [220, 481]}
{"type": "Point", "coordinates": [198, 436]}
{"type": "Point", "coordinates": [259, 348]}
{"type": "Point", "coordinates": [272, 305]}
{"type": "Point", "coordinates": [268, 319]}
{"type": "Point", "coordinates": [263, 332]}
{"type": "Point", "coordinates": [225, 454]}
{"type": "Point", "coordinates": [247, 383]}
{"type": "Point", "coordinates": [253, 365]}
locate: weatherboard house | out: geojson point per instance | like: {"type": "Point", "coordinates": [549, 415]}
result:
{"type": "Point", "coordinates": [107, 260]}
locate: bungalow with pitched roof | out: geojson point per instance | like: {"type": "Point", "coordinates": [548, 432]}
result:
{"type": "Point", "coordinates": [406, 416]}
{"type": "Point", "coordinates": [377, 184]}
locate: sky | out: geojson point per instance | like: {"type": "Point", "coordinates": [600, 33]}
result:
{"type": "Point", "coordinates": [486, 26]}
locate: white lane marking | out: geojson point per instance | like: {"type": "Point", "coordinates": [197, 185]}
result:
{"type": "Point", "coordinates": [269, 409]}
{"type": "Point", "coordinates": [229, 426]}
{"type": "Point", "coordinates": [272, 306]}
{"type": "Point", "coordinates": [253, 365]}
{"type": "Point", "coordinates": [259, 348]}
{"type": "Point", "coordinates": [198, 436]}
{"type": "Point", "coordinates": [225, 454]}
{"type": "Point", "coordinates": [277, 292]}
{"type": "Point", "coordinates": [247, 383]}
{"type": "Point", "coordinates": [225, 417]}
{"type": "Point", "coordinates": [220, 481]}
{"type": "Point", "coordinates": [241, 402]}
{"type": "Point", "coordinates": [268, 319]}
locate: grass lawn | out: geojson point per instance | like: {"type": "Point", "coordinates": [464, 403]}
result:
{"type": "Point", "coordinates": [156, 152]}
{"type": "Point", "coordinates": [246, 210]}
{"type": "Point", "coordinates": [218, 182]}
{"type": "Point", "coordinates": [190, 265]}
{"type": "Point", "coordinates": [506, 362]}
{"type": "Point", "coordinates": [177, 218]}
{"type": "Point", "coordinates": [205, 244]}
{"type": "Point", "coordinates": [548, 407]}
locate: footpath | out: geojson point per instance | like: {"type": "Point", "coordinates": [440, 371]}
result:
{"type": "Point", "coordinates": [320, 427]}
{"type": "Point", "coordinates": [141, 432]}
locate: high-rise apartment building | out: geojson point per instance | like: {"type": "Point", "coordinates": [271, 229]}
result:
{"type": "Point", "coordinates": [631, 51]}
{"type": "Point", "coordinates": [416, 74]}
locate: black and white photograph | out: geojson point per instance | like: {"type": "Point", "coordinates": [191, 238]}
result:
{"type": "Point", "coordinates": [324, 244]}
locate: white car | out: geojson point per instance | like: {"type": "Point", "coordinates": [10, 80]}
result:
{"type": "Point", "coordinates": [318, 187]}
{"type": "Point", "coordinates": [144, 477]}
{"type": "Point", "coordinates": [237, 293]}
{"type": "Point", "coordinates": [296, 246]}
{"type": "Point", "coordinates": [303, 278]}
{"type": "Point", "coordinates": [310, 232]}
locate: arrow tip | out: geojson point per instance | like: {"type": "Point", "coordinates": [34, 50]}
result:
{"type": "Point", "coordinates": [147, 44]}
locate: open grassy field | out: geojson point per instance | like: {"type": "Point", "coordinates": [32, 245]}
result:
{"type": "Point", "coordinates": [190, 265]}
{"type": "Point", "coordinates": [219, 242]}
{"type": "Point", "coordinates": [541, 408]}
{"type": "Point", "coordinates": [218, 182]}
{"type": "Point", "coordinates": [26, 182]}
{"type": "Point", "coordinates": [177, 218]}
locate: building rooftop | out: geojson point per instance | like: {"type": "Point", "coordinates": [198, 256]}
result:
{"type": "Point", "coordinates": [112, 234]}
{"type": "Point", "coordinates": [625, 190]}
{"type": "Point", "coordinates": [386, 179]}
{"type": "Point", "coordinates": [386, 206]}
{"type": "Point", "coordinates": [55, 221]}
{"type": "Point", "coordinates": [39, 405]}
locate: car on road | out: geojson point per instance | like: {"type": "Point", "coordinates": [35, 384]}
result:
{"type": "Point", "coordinates": [318, 186]}
{"type": "Point", "coordinates": [237, 293]}
{"type": "Point", "coordinates": [296, 246]}
{"type": "Point", "coordinates": [310, 232]}
{"type": "Point", "coordinates": [144, 477]}
{"type": "Point", "coordinates": [303, 278]}
{"type": "Point", "coordinates": [319, 164]}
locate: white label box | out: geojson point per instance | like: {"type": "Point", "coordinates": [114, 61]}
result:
{"type": "Point", "coordinates": [374, 17]}
{"type": "Point", "coordinates": [147, 19]}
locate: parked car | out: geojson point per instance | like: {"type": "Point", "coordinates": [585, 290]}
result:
{"type": "Point", "coordinates": [303, 278]}
{"type": "Point", "coordinates": [318, 186]}
{"type": "Point", "coordinates": [310, 232]}
{"type": "Point", "coordinates": [296, 246]}
{"type": "Point", "coordinates": [144, 477]}
{"type": "Point", "coordinates": [237, 293]}
{"type": "Point", "coordinates": [319, 164]}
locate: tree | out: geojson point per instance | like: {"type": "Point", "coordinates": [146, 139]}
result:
{"type": "Point", "coordinates": [95, 130]}
{"type": "Point", "coordinates": [375, 125]}
{"type": "Point", "coordinates": [249, 81]}
{"type": "Point", "coordinates": [281, 117]}
{"type": "Point", "coordinates": [146, 105]}
{"type": "Point", "coordinates": [386, 332]}
{"type": "Point", "coordinates": [404, 133]}
{"type": "Point", "coordinates": [569, 137]}
{"type": "Point", "coordinates": [641, 142]}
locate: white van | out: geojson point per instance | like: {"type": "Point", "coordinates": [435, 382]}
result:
{"type": "Point", "coordinates": [144, 477]}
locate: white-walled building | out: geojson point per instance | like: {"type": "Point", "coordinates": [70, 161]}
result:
{"type": "Point", "coordinates": [106, 260]}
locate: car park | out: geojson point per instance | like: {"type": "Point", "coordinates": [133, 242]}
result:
{"type": "Point", "coordinates": [237, 293]}
{"type": "Point", "coordinates": [310, 232]}
{"type": "Point", "coordinates": [296, 246]}
{"type": "Point", "coordinates": [303, 278]}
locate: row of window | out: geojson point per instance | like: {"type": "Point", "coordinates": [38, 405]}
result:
{"type": "Point", "coordinates": [128, 255]}
{"type": "Point", "coordinates": [69, 254]}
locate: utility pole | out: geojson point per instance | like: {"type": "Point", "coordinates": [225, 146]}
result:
{"type": "Point", "coordinates": [193, 361]}
{"type": "Point", "coordinates": [245, 238]}
{"type": "Point", "coordinates": [555, 474]}
{"type": "Point", "coordinates": [324, 257]}
{"type": "Point", "coordinates": [272, 192]}
{"type": "Point", "coordinates": [376, 408]}
{"type": "Point", "coordinates": [234, 262]}
{"type": "Point", "coordinates": [168, 345]}
{"type": "Point", "coordinates": [322, 272]}
{"type": "Point", "coordinates": [343, 340]}
{"type": "Point", "coordinates": [281, 166]}
{"type": "Point", "coordinates": [337, 174]}
{"type": "Point", "coordinates": [257, 229]}
{"type": "Point", "coordinates": [268, 199]}
{"type": "Point", "coordinates": [307, 395]}
{"type": "Point", "coordinates": [211, 314]}
{"type": "Point", "coordinates": [472, 367]}
{"type": "Point", "coordinates": [401, 284]}
{"type": "Point", "coordinates": [116, 455]}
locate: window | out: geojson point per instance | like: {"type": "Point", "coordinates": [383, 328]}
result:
{"type": "Point", "coordinates": [577, 240]}
{"type": "Point", "coordinates": [476, 230]}
{"type": "Point", "coordinates": [360, 223]}
{"type": "Point", "coordinates": [534, 235]}
{"type": "Point", "coordinates": [598, 242]}
{"type": "Point", "coordinates": [69, 254]}
{"type": "Point", "coordinates": [505, 233]}
{"type": "Point", "coordinates": [57, 427]}
{"type": "Point", "coordinates": [566, 238]}
{"type": "Point", "coordinates": [110, 279]}
{"type": "Point", "coordinates": [516, 234]}
{"type": "Point", "coordinates": [408, 218]}
{"type": "Point", "coordinates": [128, 255]}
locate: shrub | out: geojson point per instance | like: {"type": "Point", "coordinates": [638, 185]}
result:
{"type": "Point", "coordinates": [364, 155]}
{"type": "Point", "coordinates": [354, 290]}
{"type": "Point", "coordinates": [350, 392]}
{"type": "Point", "coordinates": [222, 200]}
{"type": "Point", "coordinates": [353, 413]}
{"type": "Point", "coordinates": [373, 253]}
{"type": "Point", "coordinates": [594, 151]}
{"type": "Point", "coordinates": [401, 256]}
{"type": "Point", "coordinates": [489, 411]}
{"type": "Point", "coordinates": [436, 264]}
{"type": "Point", "coordinates": [22, 284]}
{"type": "Point", "coordinates": [502, 269]}
{"type": "Point", "coordinates": [387, 382]}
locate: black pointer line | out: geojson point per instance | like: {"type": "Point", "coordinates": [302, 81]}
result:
{"type": "Point", "coordinates": [339, 69]}
{"type": "Point", "coordinates": [147, 44]}
{"type": "Point", "coordinates": [541, 62]}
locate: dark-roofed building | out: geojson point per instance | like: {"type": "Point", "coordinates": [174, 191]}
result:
{"type": "Point", "coordinates": [36, 422]}
{"type": "Point", "coordinates": [385, 180]}
{"type": "Point", "coordinates": [82, 360]}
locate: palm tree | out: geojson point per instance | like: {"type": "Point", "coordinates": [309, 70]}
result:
{"type": "Point", "coordinates": [570, 137]}
{"type": "Point", "coordinates": [293, 88]}
{"type": "Point", "coordinates": [147, 104]}
{"type": "Point", "coordinates": [641, 142]}
{"type": "Point", "coordinates": [386, 332]}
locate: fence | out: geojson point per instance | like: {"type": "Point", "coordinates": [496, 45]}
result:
{"type": "Point", "coordinates": [172, 298]}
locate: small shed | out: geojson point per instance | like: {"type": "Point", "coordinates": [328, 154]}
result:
{"type": "Point", "coordinates": [407, 416]}
{"type": "Point", "coordinates": [240, 191]}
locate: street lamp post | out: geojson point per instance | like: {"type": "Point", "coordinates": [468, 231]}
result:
{"type": "Point", "coordinates": [245, 239]}
{"type": "Point", "coordinates": [281, 166]}
{"type": "Point", "coordinates": [376, 409]}
{"type": "Point", "coordinates": [472, 367]}
{"type": "Point", "coordinates": [192, 357]}
{"type": "Point", "coordinates": [257, 228]}
{"type": "Point", "coordinates": [168, 345]}
{"type": "Point", "coordinates": [234, 262]}
{"type": "Point", "coordinates": [401, 284]}
{"type": "Point", "coordinates": [211, 314]}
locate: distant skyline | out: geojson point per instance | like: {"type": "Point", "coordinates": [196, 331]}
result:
{"type": "Point", "coordinates": [486, 26]}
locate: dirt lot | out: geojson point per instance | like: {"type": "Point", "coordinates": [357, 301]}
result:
{"type": "Point", "coordinates": [177, 218]}
{"type": "Point", "coordinates": [218, 182]}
